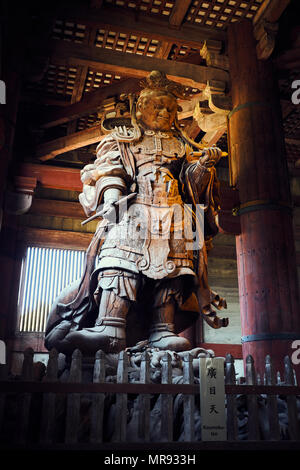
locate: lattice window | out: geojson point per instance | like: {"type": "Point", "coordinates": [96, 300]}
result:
{"type": "Point", "coordinates": [152, 7]}
{"type": "Point", "coordinates": [124, 42]}
{"type": "Point", "coordinates": [45, 273]}
{"type": "Point", "coordinates": [69, 31]}
{"type": "Point", "coordinates": [220, 13]}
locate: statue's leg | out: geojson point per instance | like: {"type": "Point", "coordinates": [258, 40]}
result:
{"type": "Point", "coordinates": [118, 290]}
{"type": "Point", "coordinates": [109, 329]}
{"type": "Point", "coordinates": [162, 333]}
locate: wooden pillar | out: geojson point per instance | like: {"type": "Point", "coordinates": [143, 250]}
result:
{"type": "Point", "coordinates": [269, 298]}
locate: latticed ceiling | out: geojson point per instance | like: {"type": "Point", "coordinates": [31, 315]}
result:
{"type": "Point", "coordinates": [66, 82]}
{"type": "Point", "coordinates": [220, 13]}
{"type": "Point", "coordinates": [151, 7]}
{"type": "Point", "coordinates": [60, 80]}
{"type": "Point", "coordinates": [214, 14]}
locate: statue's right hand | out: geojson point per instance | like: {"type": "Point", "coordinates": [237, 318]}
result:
{"type": "Point", "coordinates": [109, 211]}
{"type": "Point", "coordinates": [211, 156]}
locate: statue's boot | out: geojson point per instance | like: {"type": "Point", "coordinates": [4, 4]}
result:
{"type": "Point", "coordinates": [109, 336]}
{"type": "Point", "coordinates": [109, 332]}
{"type": "Point", "coordinates": [162, 332]}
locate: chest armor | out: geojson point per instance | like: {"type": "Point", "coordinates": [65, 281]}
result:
{"type": "Point", "coordinates": [150, 238]}
{"type": "Point", "coordinates": [159, 149]}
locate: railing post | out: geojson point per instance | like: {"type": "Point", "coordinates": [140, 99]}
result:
{"type": "Point", "coordinates": [121, 399]}
{"type": "Point", "coordinates": [48, 410]}
{"type": "Point", "coordinates": [24, 400]}
{"type": "Point", "coordinates": [291, 401]}
{"type": "Point", "coordinates": [272, 410]}
{"type": "Point", "coordinates": [231, 399]}
{"type": "Point", "coordinates": [166, 401]}
{"type": "Point", "coordinates": [73, 400]}
{"type": "Point", "coordinates": [97, 409]}
{"type": "Point", "coordinates": [144, 400]}
{"type": "Point", "coordinates": [253, 426]}
{"type": "Point", "coordinates": [188, 400]}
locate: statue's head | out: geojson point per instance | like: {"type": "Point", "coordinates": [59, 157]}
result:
{"type": "Point", "coordinates": [157, 104]}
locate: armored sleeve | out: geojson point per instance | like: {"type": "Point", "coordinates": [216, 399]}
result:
{"type": "Point", "coordinates": [106, 172]}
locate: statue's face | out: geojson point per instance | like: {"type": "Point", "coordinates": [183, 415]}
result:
{"type": "Point", "coordinates": [157, 110]}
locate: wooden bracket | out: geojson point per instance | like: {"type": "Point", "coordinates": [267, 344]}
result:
{"type": "Point", "coordinates": [211, 52]}
{"type": "Point", "coordinates": [266, 26]}
{"type": "Point", "coordinates": [265, 34]}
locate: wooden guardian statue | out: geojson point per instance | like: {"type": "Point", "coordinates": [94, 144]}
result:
{"type": "Point", "coordinates": [145, 275]}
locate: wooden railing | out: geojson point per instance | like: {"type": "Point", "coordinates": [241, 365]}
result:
{"type": "Point", "coordinates": [49, 412]}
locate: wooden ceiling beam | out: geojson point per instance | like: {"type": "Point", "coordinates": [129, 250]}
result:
{"type": "Point", "coordinates": [179, 11]}
{"type": "Point", "coordinates": [54, 238]}
{"type": "Point", "coordinates": [77, 93]}
{"type": "Point", "coordinates": [89, 104]}
{"type": "Point", "coordinates": [193, 129]}
{"type": "Point", "coordinates": [132, 22]}
{"type": "Point", "coordinates": [49, 150]}
{"type": "Point", "coordinates": [211, 138]}
{"type": "Point", "coordinates": [163, 50]}
{"type": "Point", "coordinates": [55, 208]}
{"type": "Point", "coordinates": [81, 76]}
{"type": "Point", "coordinates": [53, 177]}
{"type": "Point", "coordinates": [133, 65]}
{"type": "Point", "coordinates": [79, 84]}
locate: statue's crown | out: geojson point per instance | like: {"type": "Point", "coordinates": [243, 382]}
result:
{"type": "Point", "coordinates": [157, 80]}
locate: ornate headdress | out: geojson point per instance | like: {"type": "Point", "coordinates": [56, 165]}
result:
{"type": "Point", "coordinates": [157, 80]}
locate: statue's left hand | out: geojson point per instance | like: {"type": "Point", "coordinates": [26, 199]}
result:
{"type": "Point", "coordinates": [210, 157]}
